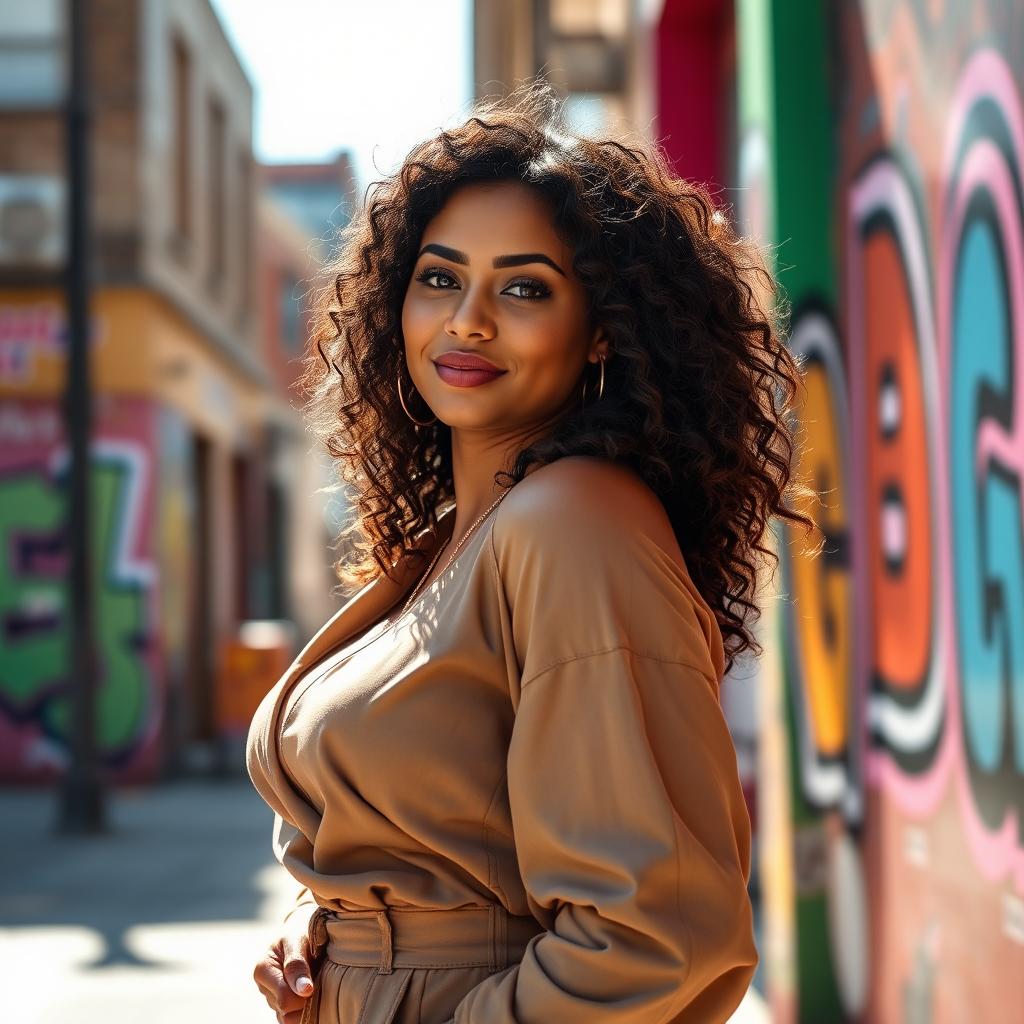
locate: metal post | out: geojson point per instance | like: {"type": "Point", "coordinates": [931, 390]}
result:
{"type": "Point", "coordinates": [82, 804]}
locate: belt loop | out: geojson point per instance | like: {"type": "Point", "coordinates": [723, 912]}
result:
{"type": "Point", "coordinates": [318, 938]}
{"type": "Point", "coordinates": [388, 949]}
{"type": "Point", "coordinates": [318, 930]}
{"type": "Point", "coordinates": [498, 930]}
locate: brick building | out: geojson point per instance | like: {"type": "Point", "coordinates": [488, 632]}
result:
{"type": "Point", "coordinates": [188, 419]}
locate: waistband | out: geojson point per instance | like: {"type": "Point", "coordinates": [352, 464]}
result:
{"type": "Point", "coordinates": [475, 936]}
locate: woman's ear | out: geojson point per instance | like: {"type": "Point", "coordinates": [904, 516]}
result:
{"type": "Point", "coordinates": [599, 346]}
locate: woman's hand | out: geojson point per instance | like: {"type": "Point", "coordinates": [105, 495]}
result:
{"type": "Point", "coordinates": [284, 973]}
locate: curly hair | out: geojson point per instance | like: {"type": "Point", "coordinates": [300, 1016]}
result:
{"type": "Point", "coordinates": [700, 403]}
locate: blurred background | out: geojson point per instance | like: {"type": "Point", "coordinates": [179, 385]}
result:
{"type": "Point", "coordinates": [171, 174]}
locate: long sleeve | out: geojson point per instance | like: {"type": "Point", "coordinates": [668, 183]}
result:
{"type": "Point", "coordinates": [631, 832]}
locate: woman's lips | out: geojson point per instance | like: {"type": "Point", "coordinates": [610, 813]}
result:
{"type": "Point", "coordinates": [466, 378]}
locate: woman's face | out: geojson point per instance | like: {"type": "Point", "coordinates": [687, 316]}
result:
{"type": "Point", "coordinates": [494, 280]}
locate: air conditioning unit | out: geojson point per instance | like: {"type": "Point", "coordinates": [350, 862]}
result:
{"type": "Point", "coordinates": [31, 221]}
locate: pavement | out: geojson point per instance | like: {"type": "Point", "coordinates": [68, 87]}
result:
{"type": "Point", "coordinates": [160, 919]}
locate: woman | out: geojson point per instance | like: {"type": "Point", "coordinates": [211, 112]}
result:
{"type": "Point", "coordinates": [501, 773]}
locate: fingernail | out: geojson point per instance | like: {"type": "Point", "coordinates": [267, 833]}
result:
{"type": "Point", "coordinates": [304, 984]}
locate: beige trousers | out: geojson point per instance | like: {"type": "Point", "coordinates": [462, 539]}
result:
{"type": "Point", "coordinates": [407, 965]}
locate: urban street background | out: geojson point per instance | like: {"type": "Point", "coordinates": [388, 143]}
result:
{"type": "Point", "coordinates": [172, 174]}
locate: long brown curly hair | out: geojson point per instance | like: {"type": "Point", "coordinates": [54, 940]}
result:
{"type": "Point", "coordinates": [700, 403]}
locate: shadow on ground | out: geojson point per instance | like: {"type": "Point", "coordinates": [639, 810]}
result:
{"type": "Point", "coordinates": [174, 853]}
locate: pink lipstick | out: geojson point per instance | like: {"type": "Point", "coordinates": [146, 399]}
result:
{"type": "Point", "coordinates": [466, 369]}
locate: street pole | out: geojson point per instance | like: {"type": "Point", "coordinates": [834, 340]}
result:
{"type": "Point", "coordinates": [82, 804]}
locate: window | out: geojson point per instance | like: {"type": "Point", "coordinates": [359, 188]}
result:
{"type": "Point", "coordinates": [32, 63]}
{"type": "Point", "coordinates": [584, 17]}
{"type": "Point", "coordinates": [182, 140]}
{"type": "Point", "coordinates": [317, 205]}
{"type": "Point", "coordinates": [290, 323]}
{"type": "Point", "coordinates": [245, 215]}
{"type": "Point", "coordinates": [216, 146]}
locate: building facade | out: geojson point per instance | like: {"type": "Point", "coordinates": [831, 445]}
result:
{"type": "Point", "coordinates": [597, 53]}
{"type": "Point", "coordinates": [304, 509]}
{"type": "Point", "coordinates": [186, 410]}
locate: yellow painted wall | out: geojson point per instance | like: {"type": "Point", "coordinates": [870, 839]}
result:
{"type": "Point", "coordinates": [142, 347]}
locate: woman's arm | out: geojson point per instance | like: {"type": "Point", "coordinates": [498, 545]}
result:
{"type": "Point", "coordinates": [631, 830]}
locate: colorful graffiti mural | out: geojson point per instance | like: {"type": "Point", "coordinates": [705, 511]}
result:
{"type": "Point", "coordinates": [34, 682]}
{"type": "Point", "coordinates": [903, 641]}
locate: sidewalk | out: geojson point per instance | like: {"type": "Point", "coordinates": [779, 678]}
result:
{"type": "Point", "coordinates": [159, 921]}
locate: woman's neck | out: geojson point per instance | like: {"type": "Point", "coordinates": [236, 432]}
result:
{"type": "Point", "coordinates": [476, 460]}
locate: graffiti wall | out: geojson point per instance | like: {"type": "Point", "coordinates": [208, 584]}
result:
{"type": "Point", "coordinates": [34, 685]}
{"type": "Point", "coordinates": [177, 441]}
{"type": "Point", "coordinates": [896, 170]}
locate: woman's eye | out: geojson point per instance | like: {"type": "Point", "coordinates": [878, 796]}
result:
{"type": "Point", "coordinates": [540, 291]}
{"type": "Point", "coordinates": [425, 275]}
{"type": "Point", "coordinates": [534, 289]}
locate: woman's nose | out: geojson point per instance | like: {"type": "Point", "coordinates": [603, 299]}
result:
{"type": "Point", "coordinates": [471, 317]}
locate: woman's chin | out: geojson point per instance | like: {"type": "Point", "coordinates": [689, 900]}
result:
{"type": "Point", "coordinates": [469, 414]}
{"type": "Point", "coordinates": [463, 420]}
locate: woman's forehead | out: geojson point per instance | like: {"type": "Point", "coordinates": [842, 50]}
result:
{"type": "Point", "coordinates": [496, 200]}
{"type": "Point", "coordinates": [496, 219]}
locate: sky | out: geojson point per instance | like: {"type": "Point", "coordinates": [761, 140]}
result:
{"type": "Point", "coordinates": [369, 76]}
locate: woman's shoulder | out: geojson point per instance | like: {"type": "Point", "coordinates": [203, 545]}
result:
{"type": "Point", "coordinates": [578, 496]}
{"type": "Point", "coordinates": [588, 535]}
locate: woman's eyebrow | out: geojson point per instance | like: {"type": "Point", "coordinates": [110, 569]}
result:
{"type": "Point", "coordinates": [515, 260]}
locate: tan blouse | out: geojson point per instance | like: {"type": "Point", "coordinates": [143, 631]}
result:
{"type": "Point", "coordinates": [541, 728]}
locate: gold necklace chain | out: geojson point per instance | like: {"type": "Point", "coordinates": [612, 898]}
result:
{"type": "Point", "coordinates": [483, 515]}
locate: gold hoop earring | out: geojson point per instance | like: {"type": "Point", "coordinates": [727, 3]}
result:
{"type": "Point", "coordinates": [600, 387]}
{"type": "Point", "coordinates": [401, 399]}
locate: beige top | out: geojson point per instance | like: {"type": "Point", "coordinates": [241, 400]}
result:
{"type": "Point", "coordinates": [541, 728]}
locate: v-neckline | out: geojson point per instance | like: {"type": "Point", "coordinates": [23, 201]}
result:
{"type": "Point", "coordinates": [307, 664]}
{"type": "Point", "coordinates": [428, 587]}
{"type": "Point", "coordinates": [364, 611]}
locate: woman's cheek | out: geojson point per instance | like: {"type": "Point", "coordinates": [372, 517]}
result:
{"type": "Point", "coordinates": [547, 352]}
{"type": "Point", "coordinates": [416, 321]}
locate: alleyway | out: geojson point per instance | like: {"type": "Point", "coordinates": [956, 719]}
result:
{"type": "Point", "coordinates": [159, 921]}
